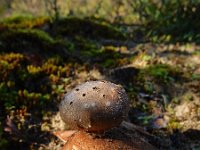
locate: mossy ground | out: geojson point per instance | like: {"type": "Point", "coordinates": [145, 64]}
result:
{"type": "Point", "coordinates": [41, 60]}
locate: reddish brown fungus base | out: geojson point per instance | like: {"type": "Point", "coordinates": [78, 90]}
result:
{"type": "Point", "coordinates": [114, 139]}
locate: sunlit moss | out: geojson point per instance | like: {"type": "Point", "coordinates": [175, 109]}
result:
{"type": "Point", "coordinates": [32, 99]}
{"type": "Point", "coordinates": [33, 69]}
{"type": "Point", "coordinates": [195, 76]}
{"type": "Point", "coordinates": [50, 68]}
{"type": "Point", "coordinates": [16, 22]}
{"type": "Point", "coordinates": [8, 63]}
{"type": "Point", "coordinates": [27, 33]}
{"type": "Point", "coordinates": [161, 71]}
{"type": "Point", "coordinates": [142, 60]}
{"type": "Point", "coordinates": [174, 124]}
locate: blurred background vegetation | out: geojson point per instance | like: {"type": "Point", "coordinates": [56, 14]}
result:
{"type": "Point", "coordinates": [49, 46]}
{"type": "Point", "coordinates": [163, 20]}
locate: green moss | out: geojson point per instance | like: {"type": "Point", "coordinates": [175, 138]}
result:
{"type": "Point", "coordinates": [174, 124]}
{"type": "Point", "coordinates": [161, 72]}
{"type": "Point", "coordinates": [87, 28]}
{"type": "Point", "coordinates": [24, 84]}
{"type": "Point", "coordinates": [17, 99]}
{"type": "Point", "coordinates": [32, 34]}
{"type": "Point", "coordinates": [108, 63]}
{"type": "Point", "coordinates": [84, 44]}
{"type": "Point", "coordinates": [3, 141]}
{"type": "Point", "coordinates": [9, 63]}
{"type": "Point", "coordinates": [197, 52]}
{"type": "Point", "coordinates": [16, 74]}
{"type": "Point", "coordinates": [158, 77]}
{"type": "Point", "coordinates": [17, 19]}
{"type": "Point", "coordinates": [195, 76]}
{"type": "Point", "coordinates": [28, 22]}
{"type": "Point", "coordinates": [145, 119]}
{"type": "Point", "coordinates": [25, 39]}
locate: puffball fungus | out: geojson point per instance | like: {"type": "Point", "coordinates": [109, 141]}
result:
{"type": "Point", "coordinates": [94, 106]}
